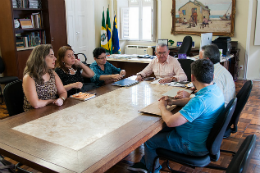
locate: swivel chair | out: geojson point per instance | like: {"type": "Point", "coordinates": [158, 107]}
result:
{"type": "Point", "coordinates": [185, 65]}
{"type": "Point", "coordinates": [242, 97]}
{"type": "Point", "coordinates": [6, 79]}
{"type": "Point", "coordinates": [84, 61]}
{"type": "Point", "coordinates": [240, 161]}
{"type": "Point", "coordinates": [14, 97]}
{"type": "Point", "coordinates": [213, 143]}
{"type": "Point", "coordinates": [186, 46]}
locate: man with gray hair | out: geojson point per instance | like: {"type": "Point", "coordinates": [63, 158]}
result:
{"type": "Point", "coordinates": [222, 76]}
{"type": "Point", "coordinates": [163, 66]}
{"type": "Point", "coordinates": [187, 130]}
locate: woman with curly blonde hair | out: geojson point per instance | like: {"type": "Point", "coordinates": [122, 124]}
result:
{"type": "Point", "coordinates": [41, 84]}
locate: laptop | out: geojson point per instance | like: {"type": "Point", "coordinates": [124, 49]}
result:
{"type": "Point", "coordinates": [125, 82]}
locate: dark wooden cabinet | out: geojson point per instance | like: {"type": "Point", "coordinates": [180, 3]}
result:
{"type": "Point", "coordinates": [53, 20]}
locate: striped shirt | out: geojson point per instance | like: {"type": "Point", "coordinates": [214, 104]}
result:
{"type": "Point", "coordinates": [170, 68]}
{"type": "Point", "coordinates": [225, 82]}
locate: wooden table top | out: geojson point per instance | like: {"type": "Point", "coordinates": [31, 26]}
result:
{"type": "Point", "coordinates": [97, 156]}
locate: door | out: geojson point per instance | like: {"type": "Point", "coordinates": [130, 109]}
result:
{"type": "Point", "coordinates": [57, 21]}
{"type": "Point", "coordinates": [81, 27]}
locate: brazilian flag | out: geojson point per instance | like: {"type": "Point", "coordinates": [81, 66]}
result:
{"type": "Point", "coordinates": [115, 39]}
{"type": "Point", "coordinates": [108, 28]}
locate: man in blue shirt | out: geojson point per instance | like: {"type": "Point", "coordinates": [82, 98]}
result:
{"type": "Point", "coordinates": [192, 123]}
{"type": "Point", "coordinates": [104, 71]}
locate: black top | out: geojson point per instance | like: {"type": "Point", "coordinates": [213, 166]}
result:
{"type": "Point", "coordinates": [68, 79]}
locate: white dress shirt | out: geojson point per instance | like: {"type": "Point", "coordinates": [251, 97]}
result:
{"type": "Point", "coordinates": [170, 68]}
{"type": "Point", "coordinates": [225, 82]}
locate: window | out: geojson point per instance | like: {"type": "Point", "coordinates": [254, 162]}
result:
{"type": "Point", "coordinates": [137, 20]}
{"type": "Point", "coordinates": [184, 12]}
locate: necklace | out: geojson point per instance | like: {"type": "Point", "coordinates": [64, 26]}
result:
{"type": "Point", "coordinates": [72, 69]}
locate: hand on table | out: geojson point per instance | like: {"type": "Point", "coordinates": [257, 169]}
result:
{"type": "Point", "coordinates": [123, 72]}
{"type": "Point", "coordinates": [165, 80]}
{"type": "Point", "coordinates": [163, 102]}
{"type": "Point", "coordinates": [58, 102]}
{"type": "Point", "coordinates": [139, 78]}
{"type": "Point", "coordinates": [116, 77]}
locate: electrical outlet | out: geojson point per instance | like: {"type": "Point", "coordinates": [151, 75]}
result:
{"type": "Point", "coordinates": [241, 67]}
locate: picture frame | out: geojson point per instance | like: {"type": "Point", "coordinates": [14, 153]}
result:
{"type": "Point", "coordinates": [194, 17]}
{"type": "Point", "coordinates": [165, 41]}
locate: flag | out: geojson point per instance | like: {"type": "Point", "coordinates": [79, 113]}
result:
{"type": "Point", "coordinates": [115, 39]}
{"type": "Point", "coordinates": [108, 27]}
{"type": "Point", "coordinates": [104, 43]}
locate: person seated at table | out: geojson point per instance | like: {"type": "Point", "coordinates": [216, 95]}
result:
{"type": "Point", "coordinates": [105, 72]}
{"type": "Point", "coordinates": [222, 76]}
{"type": "Point", "coordinates": [71, 72]}
{"type": "Point", "coordinates": [163, 66]}
{"type": "Point", "coordinates": [41, 84]}
{"type": "Point", "coordinates": [192, 123]}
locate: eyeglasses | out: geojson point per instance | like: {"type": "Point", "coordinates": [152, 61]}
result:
{"type": "Point", "coordinates": [161, 53]}
{"type": "Point", "coordinates": [102, 58]}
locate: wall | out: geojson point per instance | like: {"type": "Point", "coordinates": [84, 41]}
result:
{"type": "Point", "coordinates": [252, 51]}
{"type": "Point", "coordinates": [239, 35]}
{"type": "Point", "coordinates": [240, 27]}
{"type": "Point", "coordinates": [99, 6]}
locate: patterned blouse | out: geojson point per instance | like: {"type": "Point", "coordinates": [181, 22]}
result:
{"type": "Point", "coordinates": [45, 92]}
{"type": "Point", "coordinates": [68, 79]}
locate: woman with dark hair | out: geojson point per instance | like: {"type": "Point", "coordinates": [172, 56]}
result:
{"type": "Point", "coordinates": [41, 84]}
{"type": "Point", "coordinates": [71, 71]}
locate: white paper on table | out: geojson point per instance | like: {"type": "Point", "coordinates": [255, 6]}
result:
{"type": "Point", "coordinates": [176, 84]}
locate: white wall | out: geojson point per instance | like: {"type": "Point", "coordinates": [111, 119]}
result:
{"type": "Point", "coordinates": [166, 25]}
{"type": "Point", "coordinates": [99, 6]}
{"type": "Point", "coordinates": [252, 51]}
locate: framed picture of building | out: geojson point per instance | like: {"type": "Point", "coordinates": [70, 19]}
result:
{"type": "Point", "coordinates": [203, 16]}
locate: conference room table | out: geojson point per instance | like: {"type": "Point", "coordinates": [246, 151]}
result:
{"type": "Point", "coordinates": [83, 136]}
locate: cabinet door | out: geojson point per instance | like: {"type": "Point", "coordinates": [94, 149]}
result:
{"type": "Point", "coordinates": [81, 26]}
{"type": "Point", "coordinates": [57, 21]}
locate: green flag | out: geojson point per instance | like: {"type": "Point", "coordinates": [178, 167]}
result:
{"type": "Point", "coordinates": [104, 42]}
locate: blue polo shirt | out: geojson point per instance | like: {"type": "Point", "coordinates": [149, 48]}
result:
{"type": "Point", "coordinates": [109, 69]}
{"type": "Point", "coordinates": [201, 112]}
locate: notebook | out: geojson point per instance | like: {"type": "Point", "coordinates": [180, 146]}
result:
{"type": "Point", "coordinates": [125, 82]}
{"type": "Point", "coordinates": [154, 109]}
{"type": "Point", "coordinates": [83, 96]}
